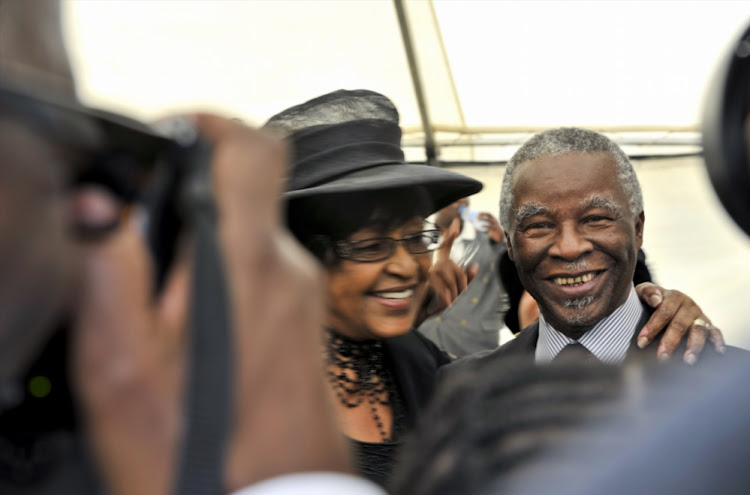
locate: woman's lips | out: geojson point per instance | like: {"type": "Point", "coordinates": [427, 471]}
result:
{"type": "Point", "coordinates": [395, 299]}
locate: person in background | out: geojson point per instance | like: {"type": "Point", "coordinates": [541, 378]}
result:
{"type": "Point", "coordinates": [474, 319]}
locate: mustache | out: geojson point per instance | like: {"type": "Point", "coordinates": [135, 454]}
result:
{"type": "Point", "coordinates": [577, 266]}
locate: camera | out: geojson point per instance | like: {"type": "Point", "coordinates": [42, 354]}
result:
{"type": "Point", "coordinates": [167, 173]}
{"type": "Point", "coordinates": [726, 130]}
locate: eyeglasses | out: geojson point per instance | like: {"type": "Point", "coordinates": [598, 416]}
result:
{"type": "Point", "coordinates": [380, 248]}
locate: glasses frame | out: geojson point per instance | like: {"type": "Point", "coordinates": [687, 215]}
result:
{"type": "Point", "coordinates": [344, 248]}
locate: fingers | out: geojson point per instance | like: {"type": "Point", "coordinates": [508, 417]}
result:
{"type": "Point", "coordinates": [447, 280]}
{"type": "Point", "coordinates": [443, 252]}
{"type": "Point", "coordinates": [652, 295]}
{"type": "Point", "coordinates": [130, 410]}
{"type": "Point", "coordinates": [113, 306]}
{"type": "Point", "coordinates": [649, 293]}
{"type": "Point", "coordinates": [494, 230]}
{"type": "Point", "coordinates": [172, 306]}
{"type": "Point", "coordinates": [674, 315]}
{"type": "Point", "coordinates": [677, 314]}
{"type": "Point", "coordinates": [698, 333]}
{"type": "Point", "coordinates": [280, 400]}
{"type": "Point", "coordinates": [248, 168]}
{"type": "Point", "coordinates": [717, 338]}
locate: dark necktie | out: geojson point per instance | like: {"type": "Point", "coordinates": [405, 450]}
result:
{"type": "Point", "coordinates": [575, 352]}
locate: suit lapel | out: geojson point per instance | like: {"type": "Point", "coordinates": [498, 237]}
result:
{"type": "Point", "coordinates": [525, 342]}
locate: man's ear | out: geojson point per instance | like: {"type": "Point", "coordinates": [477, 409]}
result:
{"type": "Point", "coordinates": [639, 223]}
{"type": "Point", "coordinates": [510, 247]}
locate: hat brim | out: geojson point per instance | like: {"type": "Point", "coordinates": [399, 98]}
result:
{"type": "Point", "coordinates": [443, 186]}
{"type": "Point", "coordinates": [109, 131]}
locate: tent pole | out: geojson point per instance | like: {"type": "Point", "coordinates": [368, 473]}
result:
{"type": "Point", "coordinates": [430, 147]}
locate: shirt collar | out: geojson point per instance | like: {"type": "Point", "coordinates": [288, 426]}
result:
{"type": "Point", "coordinates": [609, 340]}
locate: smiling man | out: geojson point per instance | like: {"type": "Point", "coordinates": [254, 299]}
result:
{"type": "Point", "coordinates": [576, 224]}
{"type": "Point", "coordinates": [572, 212]}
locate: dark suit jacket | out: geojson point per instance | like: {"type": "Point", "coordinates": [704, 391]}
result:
{"type": "Point", "coordinates": [524, 345]}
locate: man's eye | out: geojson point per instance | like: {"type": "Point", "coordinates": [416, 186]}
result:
{"type": "Point", "coordinates": [597, 219]}
{"type": "Point", "coordinates": [538, 226]}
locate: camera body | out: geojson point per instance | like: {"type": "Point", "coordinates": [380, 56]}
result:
{"type": "Point", "coordinates": [41, 442]}
{"type": "Point", "coordinates": [726, 131]}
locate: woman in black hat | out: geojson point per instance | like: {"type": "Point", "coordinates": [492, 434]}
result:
{"type": "Point", "coordinates": [361, 210]}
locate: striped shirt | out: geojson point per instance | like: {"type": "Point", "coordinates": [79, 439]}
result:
{"type": "Point", "coordinates": [608, 340]}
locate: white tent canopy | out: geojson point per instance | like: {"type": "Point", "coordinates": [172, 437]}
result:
{"type": "Point", "coordinates": [487, 67]}
{"type": "Point", "coordinates": [492, 71]}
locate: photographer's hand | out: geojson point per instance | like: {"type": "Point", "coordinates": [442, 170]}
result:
{"type": "Point", "coordinates": [130, 354]}
{"type": "Point", "coordinates": [127, 363]}
{"type": "Point", "coordinates": [283, 421]}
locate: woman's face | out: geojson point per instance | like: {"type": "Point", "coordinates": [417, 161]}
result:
{"type": "Point", "coordinates": [378, 299]}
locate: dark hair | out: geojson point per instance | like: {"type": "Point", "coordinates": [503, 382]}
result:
{"type": "Point", "coordinates": [510, 426]}
{"type": "Point", "coordinates": [318, 221]}
{"type": "Point", "coordinates": [492, 418]}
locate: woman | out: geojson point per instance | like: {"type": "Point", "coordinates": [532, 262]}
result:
{"type": "Point", "coordinates": [361, 210]}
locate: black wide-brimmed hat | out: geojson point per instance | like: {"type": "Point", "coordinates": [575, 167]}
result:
{"type": "Point", "coordinates": [350, 141]}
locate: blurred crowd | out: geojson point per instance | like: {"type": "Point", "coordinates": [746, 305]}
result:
{"type": "Point", "coordinates": [203, 307]}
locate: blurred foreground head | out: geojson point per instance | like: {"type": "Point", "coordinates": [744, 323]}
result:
{"type": "Point", "coordinates": [35, 252]}
{"type": "Point", "coordinates": [48, 142]}
{"type": "Point", "coordinates": [582, 428]}
{"type": "Point", "coordinates": [726, 130]}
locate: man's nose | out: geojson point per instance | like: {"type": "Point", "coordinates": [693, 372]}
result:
{"type": "Point", "coordinates": [569, 244]}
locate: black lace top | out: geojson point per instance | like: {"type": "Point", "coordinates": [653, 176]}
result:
{"type": "Point", "coordinates": [375, 461]}
{"type": "Point", "coordinates": [361, 376]}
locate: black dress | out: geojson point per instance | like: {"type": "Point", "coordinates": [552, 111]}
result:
{"type": "Point", "coordinates": [413, 361]}
{"type": "Point", "coordinates": [375, 461]}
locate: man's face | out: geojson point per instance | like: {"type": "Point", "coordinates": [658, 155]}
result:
{"type": "Point", "coordinates": [574, 239]}
{"type": "Point", "coordinates": [35, 252]}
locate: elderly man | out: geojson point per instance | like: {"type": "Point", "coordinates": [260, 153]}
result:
{"type": "Point", "coordinates": [572, 212]}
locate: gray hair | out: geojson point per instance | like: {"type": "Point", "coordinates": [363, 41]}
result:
{"type": "Point", "coordinates": [555, 142]}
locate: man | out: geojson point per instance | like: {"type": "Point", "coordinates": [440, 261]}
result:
{"type": "Point", "coordinates": [572, 212]}
{"type": "Point", "coordinates": [474, 319]}
{"type": "Point", "coordinates": [92, 365]}
{"type": "Point", "coordinates": [573, 215]}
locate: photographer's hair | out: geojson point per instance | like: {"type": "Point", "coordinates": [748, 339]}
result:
{"type": "Point", "coordinates": [319, 221]}
{"type": "Point", "coordinates": [492, 419]}
{"type": "Point", "coordinates": [562, 141]}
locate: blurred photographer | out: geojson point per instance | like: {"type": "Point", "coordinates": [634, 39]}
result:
{"type": "Point", "coordinates": [94, 364]}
